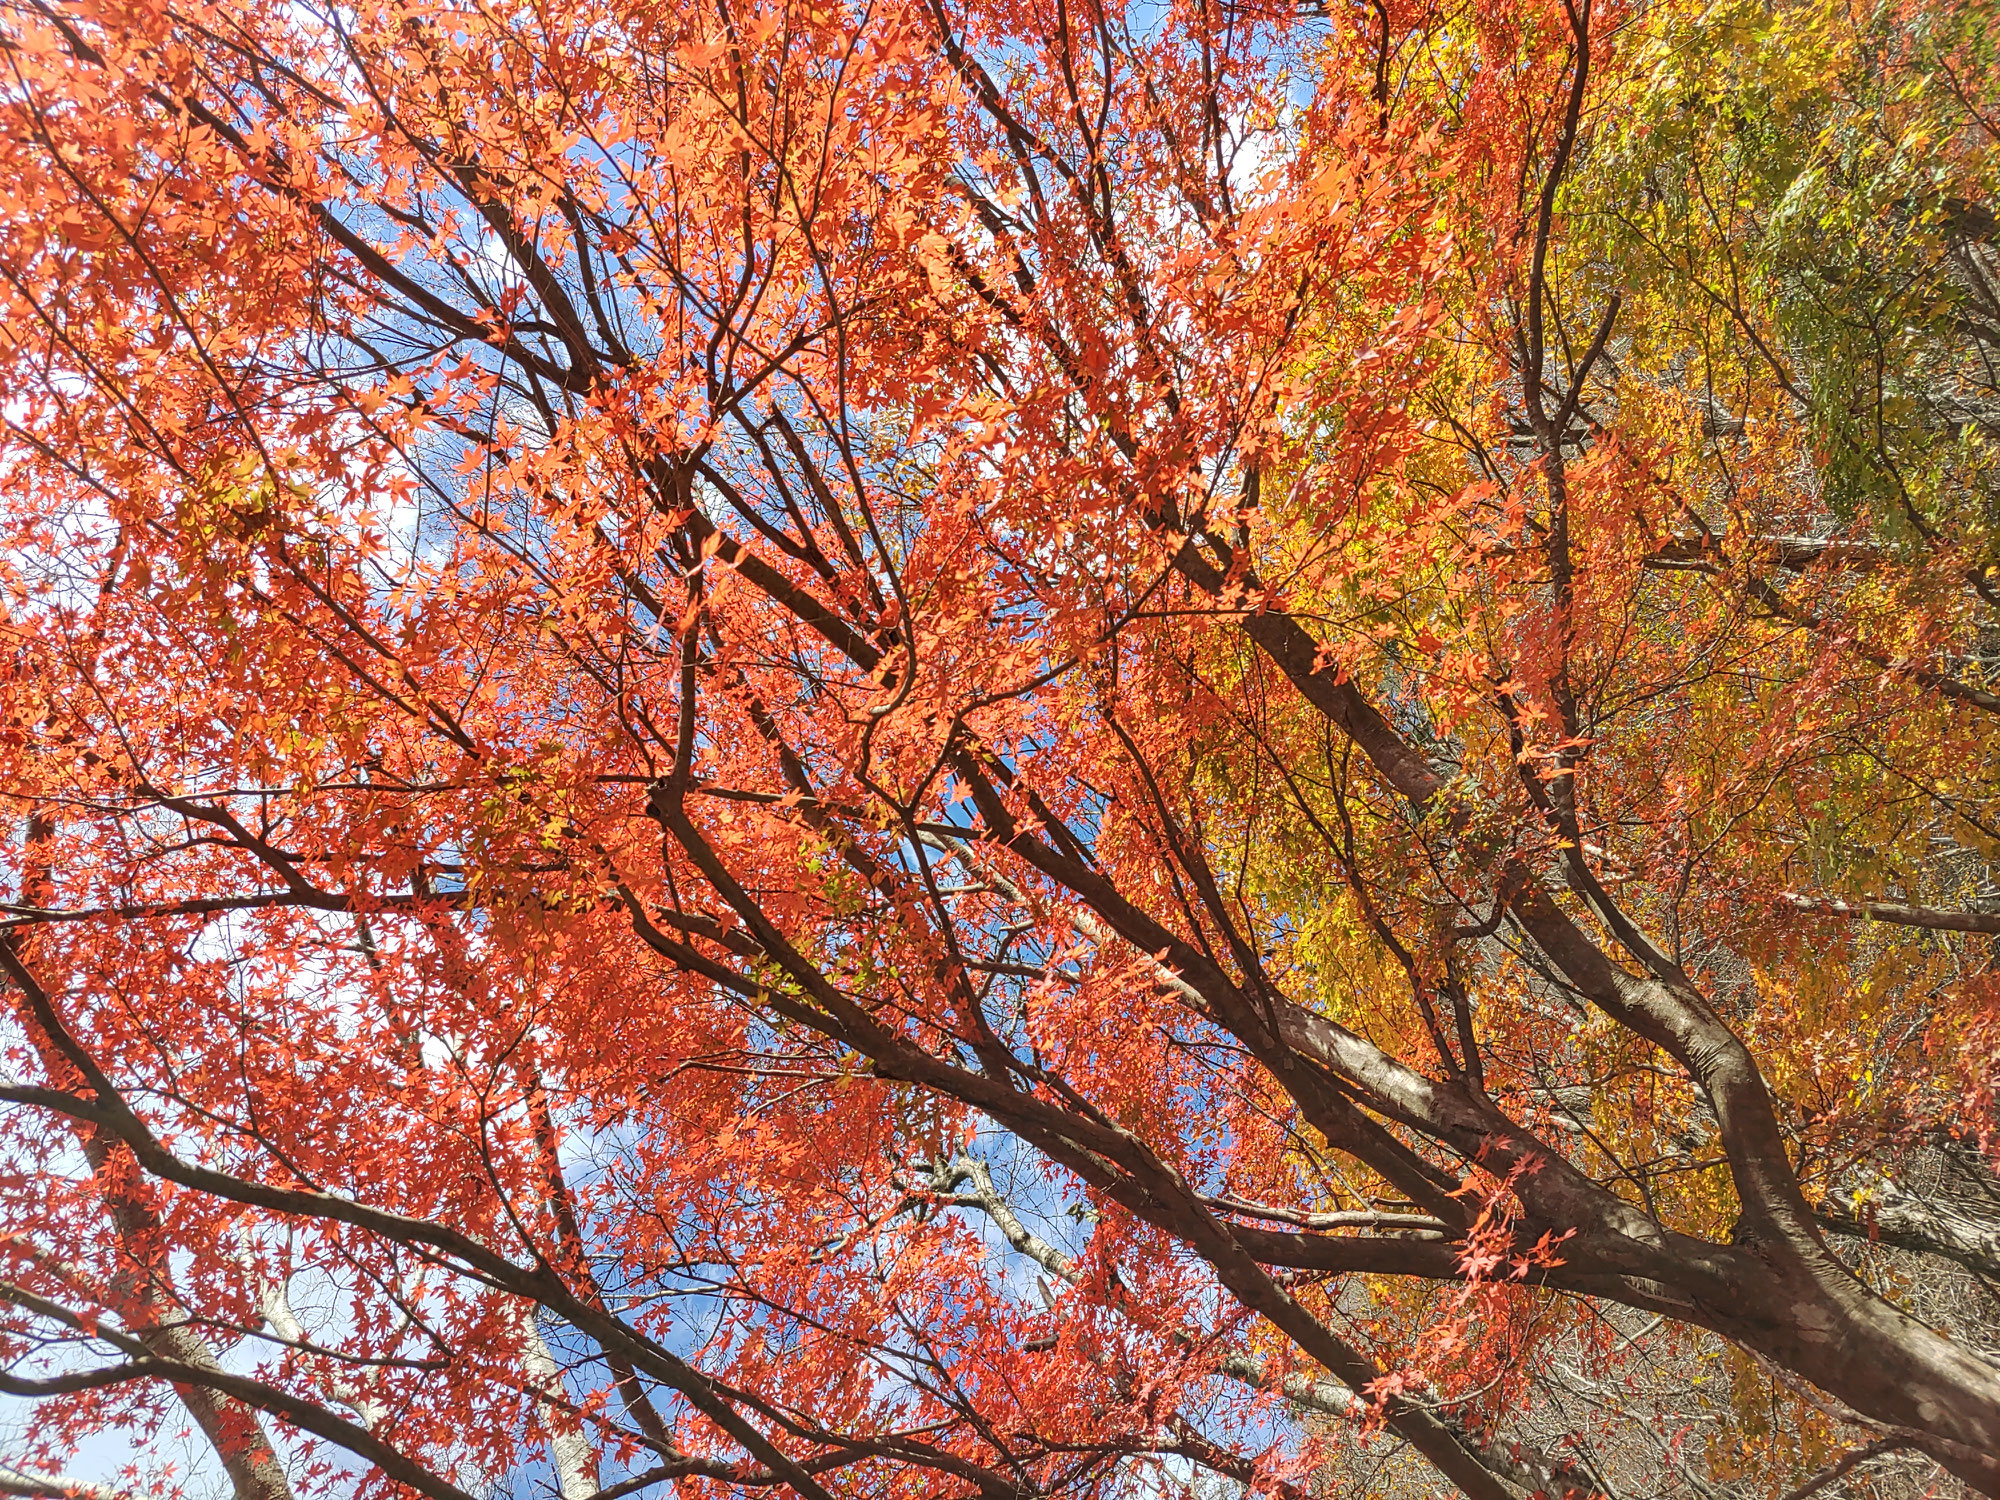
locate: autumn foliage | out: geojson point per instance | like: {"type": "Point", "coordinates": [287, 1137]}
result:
{"type": "Point", "coordinates": [998, 747]}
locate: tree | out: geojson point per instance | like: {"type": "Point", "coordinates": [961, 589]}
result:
{"type": "Point", "coordinates": [665, 663]}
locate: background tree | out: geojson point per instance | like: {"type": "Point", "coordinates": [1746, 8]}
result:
{"type": "Point", "coordinates": [1010, 750]}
